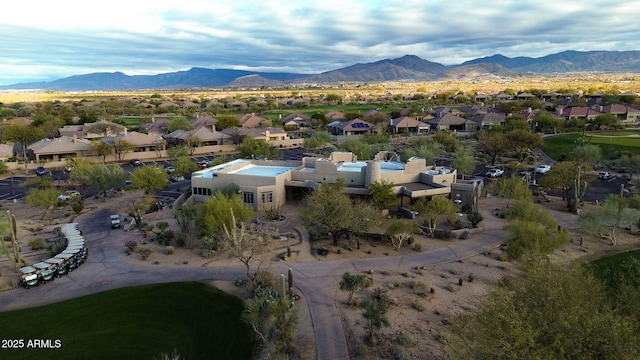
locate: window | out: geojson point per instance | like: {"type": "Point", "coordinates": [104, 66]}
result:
{"type": "Point", "coordinates": [267, 197]}
{"type": "Point", "coordinates": [202, 191]}
{"type": "Point", "coordinates": [248, 198]}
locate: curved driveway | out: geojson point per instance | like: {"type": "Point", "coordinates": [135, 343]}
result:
{"type": "Point", "coordinates": [104, 270]}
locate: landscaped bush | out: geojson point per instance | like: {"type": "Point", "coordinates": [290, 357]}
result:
{"type": "Point", "coordinates": [420, 288]}
{"type": "Point", "coordinates": [131, 245]}
{"type": "Point", "coordinates": [169, 250]}
{"type": "Point", "coordinates": [144, 253]}
{"type": "Point", "coordinates": [36, 244]}
{"type": "Point", "coordinates": [419, 306]}
{"type": "Point", "coordinates": [77, 208]}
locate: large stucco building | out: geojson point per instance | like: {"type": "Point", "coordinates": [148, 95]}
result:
{"type": "Point", "coordinates": [273, 183]}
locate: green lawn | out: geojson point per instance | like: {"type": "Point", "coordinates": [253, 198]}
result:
{"type": "Point", "coordinates": [612, 268]}
{"type": "Point", "coordinates": [607, 141]}
{"type": "Point", "coordinates": [197, 320]}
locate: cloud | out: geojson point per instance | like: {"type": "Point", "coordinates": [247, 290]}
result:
{"type": "Point", "coordinates": [57, 39]}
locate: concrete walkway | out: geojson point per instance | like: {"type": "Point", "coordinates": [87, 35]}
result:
{"type": "Point", "coordinates": [317, 280]}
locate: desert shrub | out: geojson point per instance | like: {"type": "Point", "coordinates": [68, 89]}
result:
{"type": "Point", "coordinates": [169, 250]}
{"type": "Point", "coordinates": [451, 288]}
{"type": "Point", "coordinates": [263, 279]}
{"type": "Point", "coordinates": [131, 245]}
{"type": "Point", "coordinates": [57, 247]}
{"type": "Point", "coordinates": [77, 208]}
{"type": "Point", "coordinates": [419, 287]}
{"type": "Point", "coordinates": [474, 218]}
{"type": "Point", "coordinates": [180, 239]}
{"type": "Point", "coordinates": [144, 253]}
{"type": "Point", "coordinates": [36, 244]}
{"type": "Point", "coordinates": [471, 277]}
{"type": "Point", "coordinates": [417, 247]}
{"type": "Point", "coordinates": [405, 339]}
{"type": "Point", "coordinates": [419, 306]}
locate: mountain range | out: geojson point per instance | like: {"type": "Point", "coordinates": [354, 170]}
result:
{"type": "Point", "coordinates": [405, 68]}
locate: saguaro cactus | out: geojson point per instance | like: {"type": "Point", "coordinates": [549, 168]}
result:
{"type": "Point", "coordinates": [283, 293]}
{"type": "Point", "coordinates": [290, 283]}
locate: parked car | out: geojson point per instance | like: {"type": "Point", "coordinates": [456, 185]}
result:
{"type": "Point", "coordinates": [495, 172]}
{"type": "Point", "coordinates": [135, 162]}
{"type": "Point", "coordinates": [177, 178]}
{"type": "Point", "coordinates": [169, 169]}
{"type": "Point", "coordinates": [69, 195]}
{"type": "Point", "coordinates": [40, 170]}
{"type": "Point", "coordinates": [543, 168]}
{"type": "Point", "coordinates": [204, 164]}
{"type": "Point", "coordinates": [604, 175]}
{"type": "Point", "coordinates": [68, 168]}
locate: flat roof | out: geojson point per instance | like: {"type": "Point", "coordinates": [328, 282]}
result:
{"type": "Point", "coordinates": [356, 166]}
{"type": "Point", "coordinates": [262, 170]}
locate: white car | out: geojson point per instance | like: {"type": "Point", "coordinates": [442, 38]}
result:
{"type": "Point", "coordinates": [543, 168]}
{"type": "Point", "coordinates": [495, 172]}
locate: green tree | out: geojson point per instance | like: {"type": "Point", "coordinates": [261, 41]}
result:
{"type": "Point", "coordinates": [381, 193]}
{"type": "Point", "coordinates": [492, 143]}
{"type": "Point", "coordinates": [179, 124]}
{"type": "Point", "coordinates": [552, 312]}
{"type": "Point", "coordinates": [631, 163]}
{"type": "Point", "coordinates": [175, 152]}
{"type": "Point", "coordinates": [360, 149]}
{"type": "Point", "coordinates": [375, 311]}
{"type": "Point", "coordinates": [603, 221]}
{"type": "Point", "coordinates": [226, 122]}
{"type": "Point", "coordinates": [140, 206]}
{"type": "Point", "coordinates": [214, 212]}
{"type": "Point", "coordinates": [586, 154]}
{"type": "Point", "coordinates": [100, 148]}
{"type": "Point", "coordinates": [463, 161]}
{"type": "Point", "coordinates": [605, 121]}
{"type": "Point", "coordinates": [398, 232]}
{"type": "Point", "coordinates": [433, 210]}
{"type": "Point", "coordinates": [107, 177]}
{"type": "Point", "coordinates": [329, 210]}
{"type": "Point", "coordinates": [185, 217]}
{"type": "Point", "coordinates": [149, 178]}
{"type": "Point", "coordinates": [121, 147]}
{"type": "Point", "coordinates": [352, 283]}
{"type": "Point", "coordinates": [512, 187]}
{"type": "Point", "coordinates": [257, 148]}
{"type": "Point", "coordinates": [547, 123]}
{"type": "Point", "coordinates": [45, 199]}
{"type": "Point", "coordinates": [192, 143]}
{"type": "Point", "coordinates": [566, 177]}
{"type": "Point", "coordinates": [449, 142]}
{"type": "Point", "coordinates": [23, 135]}
{"type": "Point", "coordinates": [317, 141]}
{"type": "Point", "coordinates": [522, 140]}
{"type": "Point", "coordinates": [184, 166]}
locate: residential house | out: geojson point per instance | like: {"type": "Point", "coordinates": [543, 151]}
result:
{"type": "Point", "coordinates": [140, 143]}
{"type": "Point", "coordinates": [296, 121]}
{"type": "Point", "coordinates": [155, 127]}
{"type": "Point", "coordinates": [7, 151]}
{"type": "Point", "coordinates": [351, 127]}
{"type": "Point", "coordinates": [408, 125]}
{"type": "Point", "coordinates": [523, 96]}
{"type": "Point", "coordinates": [268, 134]}
{"type": "Point", "coordinates": [486, 121]}
{"type": "Point", "coordinates": [335, 115]}
{"type": "Point", "coordinates": [451, 122]}
{"type": "Point", "coordinates": [205, 136]}
{"type": "Point", "coordinates": [503, 97]}
{"type": "Point", "coordinates": [580, 113]}
{"type": "Point", "coordinates": [253, 121]}
{"type": "Point", "coordinates": [204, 120]}
{"type": "Point", "coordinates": [58, 149]}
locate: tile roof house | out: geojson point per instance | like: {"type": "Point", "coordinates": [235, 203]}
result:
{"type": "Point", "coordinates": [206, 136]}
{"type": "Point", "coordinates": [335, 115]}
{"type": "Point", "coordinates": [7, 151]}
{"type": "Point", "coordinates": [204, 120]}
{"type": "Point", "coordinates": [139, 142]}
{"type": "Point", "coordinates": [503, 97]}
{"type": "Point", "coordinates": [58, 149]}
{"type": "Point", "coordinates": [578, 113]}
{"type": "Point", "coordinates": [408, 124]}
{"type": "Point", "coordinates": [453, 123]}
{"type": "Point", "coordinates": [624, 113]}
{"type": "Point", "coordinates": [486, 121]}
{"type": "Point", "coordinates": [253, 121]}
{"type": "Point", "coordinates": [297, 120]}
{"type": "Point", "coordinates": [351, 127]}
{"type": "Point", "coordinates": [155, 127]}
{"type": "Point", "coordinates": [267, 134]}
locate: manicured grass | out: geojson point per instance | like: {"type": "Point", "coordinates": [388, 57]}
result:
{"type": "Point", "coordinates": [608, 143]}
{"type": "Point", "coordinates": [612, 269]}
{"type": "Point", "coordinates": [197, 320]}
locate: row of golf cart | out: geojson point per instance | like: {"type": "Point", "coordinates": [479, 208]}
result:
{"type": "Point", "coordinates": [73, 256]}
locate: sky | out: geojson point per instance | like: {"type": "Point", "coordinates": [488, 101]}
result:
{"type": "Point", "coordinates": [44, 40]}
